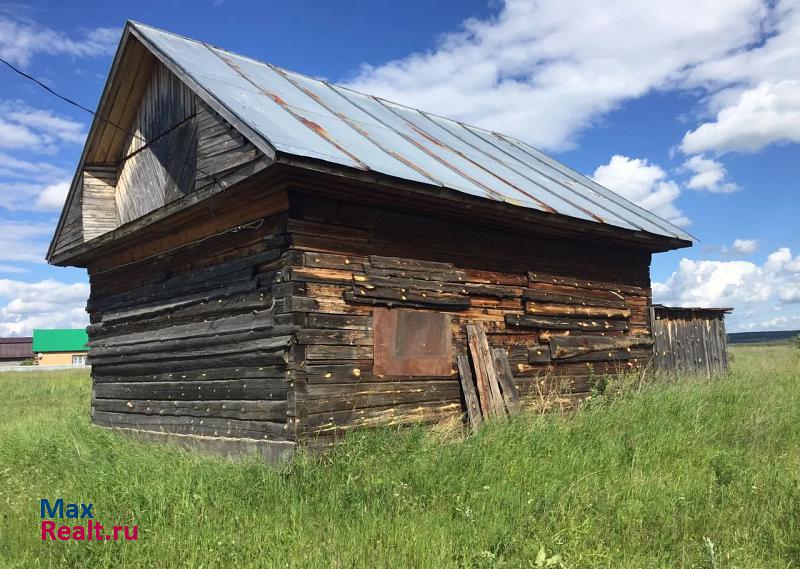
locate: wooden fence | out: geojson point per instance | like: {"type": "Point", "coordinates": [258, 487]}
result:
{"type": "Point", "coordinates": [689, 340]}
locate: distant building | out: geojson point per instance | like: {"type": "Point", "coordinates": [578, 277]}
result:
{"type": "Point", "coordinates": [14, 351]}
{"type": "Point", "coordinates": [60, 347]}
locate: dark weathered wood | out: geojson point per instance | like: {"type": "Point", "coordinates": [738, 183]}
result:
{"type": "Point", "coordinates": [563, 347]}
{"type": "Point", "coordinates": [538, 354]}
{"type": "Point", "coordinates": [580, 297]}
{"type": "Point", "coordinates": [469, 392]}
{"type": "Point", "coordinates": [490, 397]}
{"type": "Point", "coordinates": [564, 323]}
{"type": "Point", "coordinates": [194, 390]}
{"type": "Point", "coordinates": [398, 297]}
{"type": "Point", "coordinates": [540, 309]}
{"type": "Point", "coordinates": [505, 378]}
{"type": "Point", "coordinates": [243, 410]}
{"type": "Point", "coordinates": [689, 340]}
{"type": "Point", "coordinates": [193, 425]}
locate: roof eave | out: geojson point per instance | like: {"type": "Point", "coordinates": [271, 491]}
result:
{"type": "Point", "coordinates": [535, 220]}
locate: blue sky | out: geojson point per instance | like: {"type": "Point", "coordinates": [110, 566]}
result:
{"type": "Point", "coordinates": [692, 110]}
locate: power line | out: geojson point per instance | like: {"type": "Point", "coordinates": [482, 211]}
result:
{"type": "Point", "coordinates": [147, 143]}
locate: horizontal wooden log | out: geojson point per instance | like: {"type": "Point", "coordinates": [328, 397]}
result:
{"type": "Point", "coordinates": [351, 372]}
{"type": "Point", "coordinates": [375, 416]}
{"type": "Point", "coordinates": [581, 298]}
{"type": "Point", "coordinates": [323, 352]}
{"type": "Point", "coordinates": [250, 322]}
{"type": "Point", "coordinates": [106, 374]}
{"type": "Point", "coordinates": [564, 347]}
{"type": "Point", "coordinates": [381, 262]}
{"type": "Point", "coordinates": [194, 390]}
{"type": "Point", "coordinates": [453, 277]}
{"type": "Point", "coordinates": [327, 230]}
{"type": "Point", "coordinates": [396, 297]}
{"type": "Point", "coordinates": [243, 410]}
{"type": "Point", "coordinates": [405, 283]}
{"type": "Point", "coordinates": [538, 308]}
{"type": "Point", "coordinates": [194, 425]}
{"type": "Point", "coordinates": [236, 361]}
{"type": "Point", "coordinates": [224, 274]}
{"type": "Point", "coordinates": [207, 348]}
{"type": "Point", "coordinates": [335, 337]}
{"type": "Point", "coordinates": [340, 397]}
{"type": "Point", "coordinates": [555, 323]}
{"type": "Point", "coordinates": [208, 303]}
{"type": "Point", "coordinates": [330, 261]}
{"type": "Point", "coordinates": [305, 274]}
{"type": "Point", "coordinates": [340, 321]}
{"type": "Point", "coordinates": [619, 289]}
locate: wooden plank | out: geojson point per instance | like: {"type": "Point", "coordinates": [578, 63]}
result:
{"type": "Point", "coordinates": [468, 390]}
{"type": "Point", "coordinates": [505, 378]}
{"type": "Point", "coordinates": [490, 397]}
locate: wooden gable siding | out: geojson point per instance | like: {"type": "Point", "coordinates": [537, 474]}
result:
{"type": "Point", "coordinates": [530, 293]}
{"type": "Point", "coordinates": [70, 231]}
{"type": "Point", "coordinates": [97, 201]}
{"type": "Point", "coordinates": [203, 152]}
{"type": "Point", "coordinates": [161, 149]}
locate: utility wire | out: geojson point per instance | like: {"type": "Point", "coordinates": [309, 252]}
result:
{"type": "Point", "coordinates": [106, 120]}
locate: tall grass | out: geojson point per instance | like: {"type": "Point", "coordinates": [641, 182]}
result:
{"type": "Point", "coordinates": [687, 474]}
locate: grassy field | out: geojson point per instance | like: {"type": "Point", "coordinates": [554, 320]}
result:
{"type": "Point", "coordinates": [687, 474]}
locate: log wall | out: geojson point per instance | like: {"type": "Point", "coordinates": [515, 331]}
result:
{"type": "Point", "coordinates": [562, 309]}
{"type": "Point", "coordinates": [265, 331]}
{"type": "Point", "coordinates": [196, 341]}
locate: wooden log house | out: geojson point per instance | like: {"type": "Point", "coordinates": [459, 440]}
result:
{"type": "Point", "coordinates": [277, 260]}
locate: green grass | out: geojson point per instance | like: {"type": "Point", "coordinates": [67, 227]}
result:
{"type": "Point", "coordinates": [687, 474]}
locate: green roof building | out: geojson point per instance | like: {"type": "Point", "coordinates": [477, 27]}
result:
{"type": "Point", "coordinates": [60, 346]}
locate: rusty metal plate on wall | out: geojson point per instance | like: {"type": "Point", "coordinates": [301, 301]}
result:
{"type": "Point", "coordinates": [412, 342]}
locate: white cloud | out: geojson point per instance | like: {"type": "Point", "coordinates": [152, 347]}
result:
{"type": "Point", "coordinates": [24, 127]}
{"type": "Point", "coordinates": [709, 175]}
{"type": "Point", "coordinates": [545, 70]}
{"type": "Point", "coordinates": [20, 41]}
{"type": "Point", "coordinates": [12, 167]}
{"type": "Point", "coordinates": [43, 304]}
{"type": "Point", "coordinates": [766, 114]}
{"type": "Point", "coordinates": [12, 269]}
{"type": "Point", "coordinates": [22, 196]}
{"type": "Point", "coordinates": [24, 241]}
{"type": "Point", "coordinates": [752, 290]}
{"type": "Point", "coordinates": [53, 196]}
{"type": "Point", "coordinates": [745, 246]}
{"type": "Point", "coordinates": [643, 183]}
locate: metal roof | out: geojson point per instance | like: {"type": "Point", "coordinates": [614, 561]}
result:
{"type": "Point", "coordinates": [60, 340]}
{"type": "Point", "coordinates": [298, 115]}
{"type": "Point", "coordinates": [662, 309]}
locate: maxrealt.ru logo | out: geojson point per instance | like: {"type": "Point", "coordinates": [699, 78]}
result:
{"type": "Point", "coordinates": [90, 530]}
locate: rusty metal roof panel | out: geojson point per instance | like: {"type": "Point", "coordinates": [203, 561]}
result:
{"type": "Point", "coordinates": [306, 117]}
